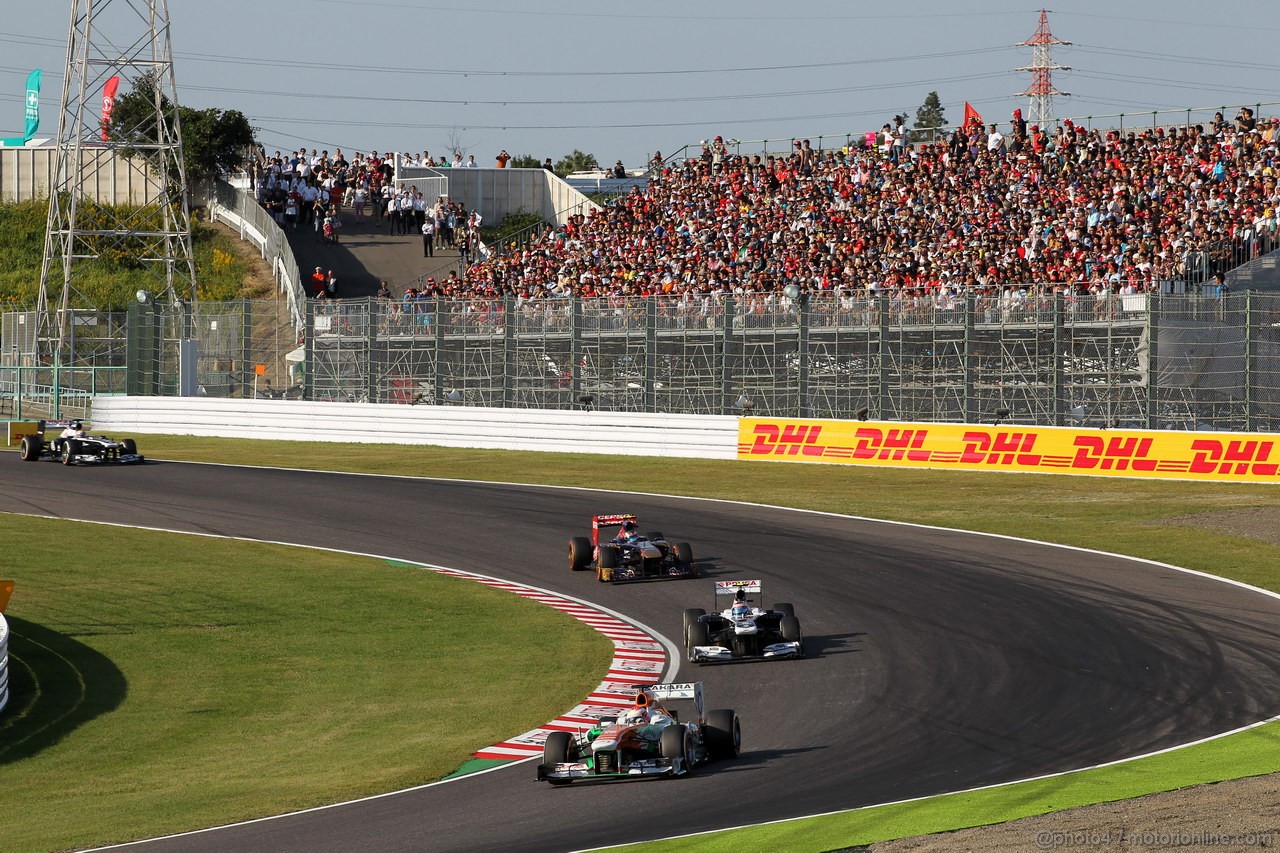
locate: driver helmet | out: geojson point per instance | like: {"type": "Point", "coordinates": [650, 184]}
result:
{"type": "Point", "coordinates": [634, 717]}
{"type": "Point", "coordinates": [629, 530]}
{"type": "Point", "coordinates": [76, 425]}
{"type": "Point", "coordinates": [741, 610]}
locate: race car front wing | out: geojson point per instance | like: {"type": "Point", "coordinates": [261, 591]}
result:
{"type": "Point", "coordinates": [710, 654]}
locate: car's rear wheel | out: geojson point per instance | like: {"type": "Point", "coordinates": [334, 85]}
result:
{"type": "Point", "coordinates": [790, 627]}
{"type": "Point", "coordinates": [723, 734]}
{"type": "Point", "coordinates": [30, 448]}
{"type": "Point", "coordinates": [129, 446]}
{"type": "Point", "coordinates": [695, 635]}
{"type": "Point", "coordinates": [653, 535]}
{"type": "Point", "coordinates": [785, 608]}
{"type": "Point", "coordinates": [70, 448]}
{"type": "Point", "coordinates": [579, 553]}
{"type": "Point", "coordinates": [691, 615]}
{"type": "Point", "coordinates": [557, 750]}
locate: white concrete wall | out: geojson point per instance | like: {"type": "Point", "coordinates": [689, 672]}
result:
{"type": "Point", "coordinates": [660, 435]}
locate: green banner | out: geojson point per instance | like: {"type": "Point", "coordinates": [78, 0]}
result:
{"type": "Point", "coordinates": [33, 103]}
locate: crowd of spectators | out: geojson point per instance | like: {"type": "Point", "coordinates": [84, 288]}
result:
{"type": "Point", "coordinates": [1069, 209]}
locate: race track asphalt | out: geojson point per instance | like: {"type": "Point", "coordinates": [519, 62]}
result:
{"type": "Point", "coordinates": [938, 661]}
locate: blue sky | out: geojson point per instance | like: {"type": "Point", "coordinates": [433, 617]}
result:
{"type": "Point", "coordinates": [622, 80]}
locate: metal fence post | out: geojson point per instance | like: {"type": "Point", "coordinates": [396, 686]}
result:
{"type": "Point", "coordinates": [802, 352]}
{"type": "Point", "coordinates": [309, 351]}
{"type": "Point", "coordinates": [1154, 302]}
{"type": "Point", "coordinates": [437, 320]}
{"type": "Point", "coordinates": [726, 358]}
{"type": "Point", "coordinates": [970, 404]}
{"type": "Point", "coordinates": [1250, 365]}
{"type": "Point", "coordinates": [508, 349]}
{"type": "Point", "coordinates": [575, 346]}
{"type": "Point", "coordinates": [377, 363]}
{"type": "Point", "coordinates": [1059, 360]}
{"type": "Point", "coordinates": [882, 382]}
{"type": "Point", "coordinates": [651, 354]}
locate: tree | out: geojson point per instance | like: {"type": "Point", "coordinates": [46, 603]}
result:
{"type": "Point", "coordinates": [213, 140]}
{"type": "Point", "coordinates": [930, 119]}
{"type": "Point", "coordinates": [525, 161]}
{"type": "Point", "coordinates": [577, 161]}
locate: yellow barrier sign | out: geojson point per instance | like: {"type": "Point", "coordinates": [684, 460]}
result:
{"type": "Point", "coordinates": [19, 429]}
{"type": "Point", "coordinates": [1221, 457]}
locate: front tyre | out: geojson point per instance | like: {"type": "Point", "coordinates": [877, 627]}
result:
{"type": "Point", "coordinates": [129, 446]}
{"type": "Point", "coordinates": [684, 553]}
{"type": "Point", "coordinates": [695, 635]}
{"type": "Point", "coordinates": [557, 750]}
{"type": "Point", "coordinates": [691, 615]}
{"type": "Point", "coordinates": [675, 743]}
{"type": "Point", "coordinates": [790, 627]}
{"type": "Point", "coordinates": [785, 608]}
{"type": "Point", "coordinates": [70, 448]}
{"type": "Point", "coordinates": [722, 734]}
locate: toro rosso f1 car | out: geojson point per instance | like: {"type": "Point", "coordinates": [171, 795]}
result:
{"type": "Point", "coordinates": [73, 446]}
{"type": "Point", "coordinates": [629, 556]}
{"type": "Point", "coordinates": [645, 740]}
{"type": "Point", "coordinates": [743, 630]}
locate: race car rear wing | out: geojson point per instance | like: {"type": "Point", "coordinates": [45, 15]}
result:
{"type": "Point", "coordinates": [732, 587]}
{"type": "Point", "coordinates": [599, 521]}
{"type": "Point", "coordinates": [689, 690]}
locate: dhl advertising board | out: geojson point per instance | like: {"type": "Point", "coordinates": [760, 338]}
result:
{"type": "Point", "coordinates": [1220, 457]}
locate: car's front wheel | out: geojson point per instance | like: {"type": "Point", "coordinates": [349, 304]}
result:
{"type": "Point", "coordinates": [70, 448]}
{"type": "Point", "coordinates": [557, 750]}
{"type": "Point", "coordinates": [675, 744]}
{"type": "Point", "coordinates": [695, 635]}
{"type": "Point", "coordinates": [129, 446]}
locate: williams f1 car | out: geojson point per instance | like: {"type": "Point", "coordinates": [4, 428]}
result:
{"type": "Point", "coordinates": [629, 556]}
{"type": "Point", "coordinates": [743, 630]}
{"type": "Point", "coordinates": [645, 740]}
{"type": "Point", "coordinates": [73, 446]}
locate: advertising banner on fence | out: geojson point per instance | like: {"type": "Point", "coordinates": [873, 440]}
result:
{"type": "Point", "coordinates": [109, 104]}
{"type": "Point", "coordinates": [1216, 456]}
{"type": "Point", "coordinates": [32, 113]}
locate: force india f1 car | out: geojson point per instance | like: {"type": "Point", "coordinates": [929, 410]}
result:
{"type": "Point", "coordinates": [79, 449]}
{"type": "Point", "coordinates": [645, 740]}
{"type": "Point", "coordinates": [744, 630]}
{"type": "Point", "coordinates": [629, 556]}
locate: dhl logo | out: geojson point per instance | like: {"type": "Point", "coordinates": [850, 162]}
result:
{"type": "Point", "coordinates": [790, 440]}
{"type": "Point", "coordinates": [1118, 453]}
{"type": "Point", "coordinates": [1001, 448]}
{"type": "Point", "coordinates": [1233, 457]}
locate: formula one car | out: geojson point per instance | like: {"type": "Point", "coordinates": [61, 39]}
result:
{"type": "Point", "coordinates": [645, 740]}
{"type": "Point", "coordinates": [629, 556]}
{"type": "Point", "coordinates": [77, 449]}
{"type": "Point", "coordinates": [744, 630]}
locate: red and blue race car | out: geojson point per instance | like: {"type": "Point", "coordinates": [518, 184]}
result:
{"type": "Point", "coordinates": [629, 555]}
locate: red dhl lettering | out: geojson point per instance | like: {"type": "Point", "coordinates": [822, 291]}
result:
{"type": "Point", "coordinates": [791, 440]}
{"type": "Point", "coordinates": [1002, 448]}
{"type": "Point", "coordinates": [895, 444]}
{"type": "Point", "coordinates": [1236, 457]}
{"type": "Point", "coordinates": [1120, 453]}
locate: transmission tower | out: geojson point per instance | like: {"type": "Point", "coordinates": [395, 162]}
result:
{"type": "Point", "coordinates": [1042, 90]}
{"type": "Point", "coordinates": [118, 194]}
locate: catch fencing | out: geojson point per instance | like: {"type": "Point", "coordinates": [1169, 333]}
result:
{"type": "Point", "coordinates": [1143, 360]}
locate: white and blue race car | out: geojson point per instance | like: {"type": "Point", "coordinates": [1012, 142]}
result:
{"type": "Point", "coordinates": [74, 446]}
{"type": "Point", "coordinates": [742, 630]}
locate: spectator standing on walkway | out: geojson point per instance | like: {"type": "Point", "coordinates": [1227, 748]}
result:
{"type": "Point", "coordinates": [503, 158]}
{"type": "Point", "coordinates": [429, 237]}
{"type": "Point", "coordinates": [331, 285]}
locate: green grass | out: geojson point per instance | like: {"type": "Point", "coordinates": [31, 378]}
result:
{"type": "Point", "coordinates": [110, 282]}
{"type": "Point", "coordinates": [1133, 517]}
{"type": "Point", "coordinates": [163, 682]}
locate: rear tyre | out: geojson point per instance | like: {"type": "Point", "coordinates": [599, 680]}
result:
{"type": "Point", "coordinates": [653, 535]}
{"type": "Point", "coordinates": [129, 446]}
{"type": "Point", "coordinates": [785, 609]}
{"type": "Point", "coordinates": [579, 553]}
{"type": "Point", "coordinates": [695, 635]}
{"type": "Point", "coordinates": [557, 750]}
{"type": "Point", "coordinates": [723, 734]}
{"type": "Point", "coordinates": [30, 448]}
{"type": "Point", "coordinates": [70, 448]}
{"type": "Point", "coordinates": [691, 615]}
{"type": "Point", "coordinates": [790, 627]}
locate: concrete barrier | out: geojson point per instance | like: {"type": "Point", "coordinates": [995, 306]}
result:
{"type": "Point", "coordinates": [634, 434]}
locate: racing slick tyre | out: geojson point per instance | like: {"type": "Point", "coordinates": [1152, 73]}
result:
{"type": "Point", "coordinates": [722, 734]}
{"type": "Point", "coordinates": [695, 635]}
{"type": "Point", "coordinates": [691, 615]}
{"type": "Point", "coordinates": [606, 562]}
{"type": "Point", "coordinates": [70, 448]}
{"type": "Point", "coordinates": [129, 446]}
{"type": "Point", "coordinates": [684, 553]}
{"type": "Point", "coordinates": [790, 627]}
{"type": "Point", "coordinates": [30, 448]}
{"type": "Point", "coordinates": [557, 750]}
{"type": "Point", "coordinates": [675, 744]}
{"type": "Point", "coordinates": [785, 608]}
{"type": "Point", "coordinates": [579, 553]}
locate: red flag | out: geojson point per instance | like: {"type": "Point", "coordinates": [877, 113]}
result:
{"type": "Point", "coordinates": [109, 102]}
{"type": "Point", "coordinates": [971, 116]}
